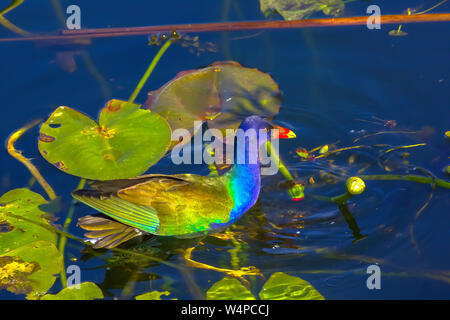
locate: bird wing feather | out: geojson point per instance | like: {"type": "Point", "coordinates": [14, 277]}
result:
{"type": "Point", "coordinates": [179, 205]}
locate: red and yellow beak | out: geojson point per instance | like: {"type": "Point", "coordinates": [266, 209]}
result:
{"type": "Point", "coordinates": [282, 133]}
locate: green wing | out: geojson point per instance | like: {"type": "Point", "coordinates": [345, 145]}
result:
{"type": "Point", "coordinates": [141, 217]}
{"type": "Point", "coordinates": [178, 205]}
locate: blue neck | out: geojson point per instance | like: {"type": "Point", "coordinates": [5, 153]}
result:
{"type": "Point", "coordinates": [244, 182]}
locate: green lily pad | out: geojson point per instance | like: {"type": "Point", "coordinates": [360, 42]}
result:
{"type": "Point", "coordinates": [125, 142]}
{"type": "Point", "coordinates": [299, 9]}
{"type": "Point", "coordinates": [281, 286]}
{"type": "Point", "coordinates": [84, 291]}
{"type": "Point", "coordinates": [16, 232]}
{"type": "Point", "coordinates": [30, 269]}
{"type": "Point", "coordinates": [154, 295]}
{"type": "Point", "coordinates": [28, 255]}
{"type": "Point", "coordinates": [222, 94]}
{"type": "Point", "coordinates": [229, 289]}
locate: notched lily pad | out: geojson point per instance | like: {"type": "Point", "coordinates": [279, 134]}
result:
{"type": "Point", "coordinates": [222, 94]}
{"type": "Point", "coordinates": [229, 289]}
{"type": "Point", "coordinates": [15, 231]}
{"type": "Point", "coordinates": [281, 286]}
{"type": "Point", "coordinates": [300, 9]}
{"type": "Point", "coordinates": [125, 142]}
{"type": "Point", "coordinates": [84, 291]}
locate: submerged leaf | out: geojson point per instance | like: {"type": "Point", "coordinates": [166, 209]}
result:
{"type": "Point", "coordinates": [299, 9]}
{"type": "Point", "coordinates": [154, 295]}
{"type": "Point", "coordinates": [125, 143]}
{"type": "Point", "coordinates": [30, 269]}
{"type": "Point", "coordinates": [83, 291]}
{"type": "Point", "coordinates": [229, 289]}
{"type": "Point", "coordinates": [223, 94]}
{"type": "Point", "coordinates": [16, 232]}
{"type": "Point", "coordinates": [281, 286]}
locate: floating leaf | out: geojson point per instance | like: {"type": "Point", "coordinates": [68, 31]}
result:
{"type": "Point", "coordinates": [302, 153]}
{"type": "Point", "coordinates": [281, 286]}
{"type": "Point", "coordinates": [305, 154]}
{"type": "Point", "coordinates": [28, 256]}
{"type": "Point", "coordinates": [125, 142]}
{"type": "Point", "coordinates": [30, 269]}
{"type": "Point", "coordinates": [324, 149]}
{"type": "Point", "coordinates": [299, 9]}
{"type": "Point", "coordinates": [14, 274]}
{"type": "Point", "coordinates": [397, 33]}
{"type": "Point", "coordinates": [15, 232]}
{"type": "Point", "coordinates": [229, 289]}
{"type": "Point", "coordinates": [83, 291]}
{"type": "Point", "coordinates": [223, 94]}
{"type": "Point", "coordinates": [154, 295]}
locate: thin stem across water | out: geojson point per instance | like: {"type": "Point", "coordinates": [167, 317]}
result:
{"type": "Point", "coordinates": [63, 238]}
{"type": "Point", "coordinates": [235, 26]}
{"type": "Point", "coordinates": [150, 69]}
{"type": "Point", "coordinates": [16, 154]}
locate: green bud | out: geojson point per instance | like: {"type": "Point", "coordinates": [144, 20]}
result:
{"type": "Point", "coordinates": [447, 170]}
{"type": "Point", "coordinates": [355, 185]}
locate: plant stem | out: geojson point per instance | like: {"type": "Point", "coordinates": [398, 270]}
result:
{"type": "Point", "coordinates": [433, 7]}
{"type": "Point", "coordinates": [235, 26]}
{"type": "Point", "coordinates": [12, 27]}
{"type": "Point", "coordinates": [63, 238]}
{"type": "Point", "coordinates": [16, 154]}
{"type": "Point", "coordinates": [284, 171]}
{"type": "Point", "coordinates": [7, 24]}
{"type": "Point", "coordinates": [93, 70]}
{"type": "Point", "coordinates": [150, 69]}
{"type": "Point", "coordinates": [258, 25]}
{"type": "Point", "coordinates": [295, 192]}
{"type": "Point", "coordinates": [409, 177]}
{"type": "Point", "coordinates": [342, 199]}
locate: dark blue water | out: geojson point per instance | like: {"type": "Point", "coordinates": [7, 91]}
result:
{"type": "Point", "coordinates": [330, 77]}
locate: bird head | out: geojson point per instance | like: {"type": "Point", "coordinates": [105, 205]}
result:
{"type": "Point", "coordinates": [258, 123]}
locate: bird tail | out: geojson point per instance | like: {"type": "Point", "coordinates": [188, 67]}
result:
{"type": "Point", "coordinates": [106, 233]}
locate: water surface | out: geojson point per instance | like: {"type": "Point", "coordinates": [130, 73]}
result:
{"type": "Point", "coordinates": [330, 78]}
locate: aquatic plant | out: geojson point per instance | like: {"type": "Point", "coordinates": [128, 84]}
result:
{"type": "Point", "coordinates": [299, 9]}
{"type": "Point", "coordinates": [279, 286]}
{"type": "Point", "coordinates": [106, 150]}
{"type": "Point", "coordinates": [129, 138]}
